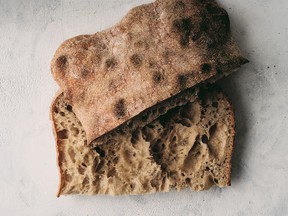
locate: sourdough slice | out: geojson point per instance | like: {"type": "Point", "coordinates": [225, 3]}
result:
{"type": "Point", "coordinates": [156, 51]}
{"type": "Point", "coordinates": [189, 146]}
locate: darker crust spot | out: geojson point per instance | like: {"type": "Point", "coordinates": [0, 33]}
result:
{"type": "Point", "coordinates": [166, 54]}
{"type": "Point", "coordinates": [61, 62]}
{"type": "Point", "coordinates": [85, 72]}
{"type": "Point", "coordinates": [157, 77]}
{"type": "Point", "coordinates": [120, 109]}
{"type": "Point", "coordinates": [184, 28]}
{"type": "Point", "coordinates": [213, 26]}
{"type": "Point", "coordinates": [136, 60]}
{"type": "Point", "coordinates": [206, 68]}
{"type": "Point", "coordinates": [110, 63]}
{"type": "Point", "coordinates": [183, 80]}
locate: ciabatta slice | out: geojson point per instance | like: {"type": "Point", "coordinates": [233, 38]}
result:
{"type": "Point", "coordinates": [189, 146]}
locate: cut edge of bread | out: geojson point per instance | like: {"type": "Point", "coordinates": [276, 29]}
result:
{"type": "Point", "coordinates": [91, 191]}
{"type": "Point", "coordinates": [57, 140]}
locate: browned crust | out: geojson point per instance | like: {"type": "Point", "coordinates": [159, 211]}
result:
{"type": "Point", "coordinates": [74, 69]}
{"type": "Point", "coordinates": [57, 141]}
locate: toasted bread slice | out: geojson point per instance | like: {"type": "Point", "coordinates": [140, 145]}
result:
{"type": "Point", "coordinates": [189, 146]}
{"type": "Point", "coordinates": [156, 51]}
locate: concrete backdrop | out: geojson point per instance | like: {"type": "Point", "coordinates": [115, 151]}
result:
{"type": "Point", "coordinates": [30, 32]}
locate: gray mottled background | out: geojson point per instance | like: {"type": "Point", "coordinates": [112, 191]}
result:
{"type": "Point", "coordinates": [30, 32]}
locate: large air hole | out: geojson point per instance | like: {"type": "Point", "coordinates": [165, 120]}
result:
{"type": "Point", "coordinates": [69, 108]}
{"type": "Point", "coordinates": [174, 139]}
{"type": "Point", "coordinates": [135, 137]}
{"type": "Point", "coordinates": [156, 147]}
{"type": "Point", "coordinates": [166, 118]}
{"type": "Point", "coordinates": [203, 96]}
{"type": "Point", "coordinates": [100, 151]}
{"type": "Point", "coordinates": [212, 130]}
{"type": "Point", "coordinates": [63, 134]}
{"type": "Point", "coordinates": [204, 139]}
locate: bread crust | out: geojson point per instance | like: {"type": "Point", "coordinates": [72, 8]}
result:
{"type": "Point", "coordinates": [233, 134]}
{"type": "Point", "coordinates": [156, 51]}
{"type": "Point", "coordinates": [57, 142]}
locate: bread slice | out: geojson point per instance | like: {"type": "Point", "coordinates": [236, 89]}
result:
{"type": "Point", "coordinates": [189, 146]}
{"type": "Point", "coordinates": [156, 51]}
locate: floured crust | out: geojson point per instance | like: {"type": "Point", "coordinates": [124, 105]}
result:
{"type": "Point", "coordinates": [135, 163]}
{"type": "Point", "coordinates": [155, 52]}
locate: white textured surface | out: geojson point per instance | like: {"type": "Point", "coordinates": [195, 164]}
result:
{"type": "Point", "coordinates": [30, 32]}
